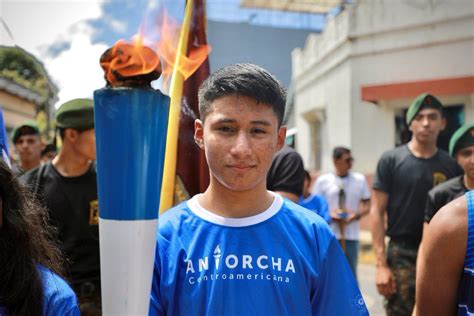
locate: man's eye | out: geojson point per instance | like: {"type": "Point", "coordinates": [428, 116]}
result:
{"type": "Point", "coordinates": [258, 131]}
{"type": "Point", "coordinates": [225, 129]}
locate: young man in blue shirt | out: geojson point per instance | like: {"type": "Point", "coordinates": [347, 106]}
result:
{"type": "Point", "coordinates": [238, 249]}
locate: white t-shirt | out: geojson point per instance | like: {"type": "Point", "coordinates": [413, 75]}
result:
{"type": "Point", "coordinates": [356, 189]}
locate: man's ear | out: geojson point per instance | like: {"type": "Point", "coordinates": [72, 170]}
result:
{"type": "Point", "coordinates": [443, 123]}
{"type": "Point", "coordinates": [199, 133]}
{"type": "Point", "coordinates": [70, 134]}
{"type": "Point", "coordinates": [281, 137]}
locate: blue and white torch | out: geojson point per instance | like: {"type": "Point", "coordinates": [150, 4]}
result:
{"type": "Point", "coordinates": [131, 122]}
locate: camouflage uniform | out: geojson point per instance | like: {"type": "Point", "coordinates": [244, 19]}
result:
{"type": "Point", "coordinates": [401, 259]}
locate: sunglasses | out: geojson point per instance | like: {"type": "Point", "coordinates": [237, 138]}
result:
{"type": "Point", "coordinates": [349, 160]}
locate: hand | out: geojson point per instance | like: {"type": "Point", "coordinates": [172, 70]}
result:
{"type": "Point", "coordinates": [352, 217]}
{"type": "Point", "coordinates": [385, 281]}
{"type": "Point", "coordinates": [338, 215]}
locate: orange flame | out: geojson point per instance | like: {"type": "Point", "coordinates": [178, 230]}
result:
{"type": "Point", "coordinates": [127, 64]}
{"type": "Point", "coordinates": [167, 48]}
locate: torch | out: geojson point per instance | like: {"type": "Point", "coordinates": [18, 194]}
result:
{"type": "Point", "coordinates": [342, 213]}
{"type": "Point", "coordinates": [131, 121]}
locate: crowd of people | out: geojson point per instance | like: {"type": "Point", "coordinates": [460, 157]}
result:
{"type": "Point", "coordinates": [283, 241]}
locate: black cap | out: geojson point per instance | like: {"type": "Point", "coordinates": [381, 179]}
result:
{"type": "Point", "coordinates": [27, 128]}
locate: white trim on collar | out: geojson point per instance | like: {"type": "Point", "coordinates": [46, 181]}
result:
{"type": "Point", "coordinates": [201, 212]}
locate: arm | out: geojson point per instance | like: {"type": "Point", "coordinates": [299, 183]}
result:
{"type": "Point", "coordinates": [364, 209]}
{"type": "Point", "coordinates": [384, 278]}
{"type": "Point", "coordinates": [441, 260]}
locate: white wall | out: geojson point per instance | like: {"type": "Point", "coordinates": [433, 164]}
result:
{"type": "Point", "coordinates": [373, 43]}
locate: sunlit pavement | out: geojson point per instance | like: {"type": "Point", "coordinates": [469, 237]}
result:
{"type": "Point", "coordinates": [373, 300]}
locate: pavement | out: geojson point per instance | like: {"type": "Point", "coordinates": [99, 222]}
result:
{"type": "Point", "coordinates": [366, 275]}
{"type": "Point", "coordinates": [373, 300]}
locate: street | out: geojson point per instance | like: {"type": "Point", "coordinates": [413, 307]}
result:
{"type": "Point", "coordinates": [373, 300]}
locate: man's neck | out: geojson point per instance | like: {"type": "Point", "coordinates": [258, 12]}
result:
{"type": "Point", "coordinates": [422, 150]}
{"type": "Point", "coordinates": [69, 165]}
{"type": "Point", "coordinates": [232, 204]}
{"type": "Point", "coordinates": [28, 165]}
{"type": "Point", "coordinates": [468, 182]}
{"type": "Point", "coordinates": [341, 174]}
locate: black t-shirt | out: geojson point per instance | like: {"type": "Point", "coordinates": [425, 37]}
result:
{"type": "Point", "coordinates": [73, 209]}
{"type": "Point", "coordinates": [407, 179]}
{"type": "Point", "coordinates": [442, 194]}
{"type": "Point", "coordinates": [286, 173]}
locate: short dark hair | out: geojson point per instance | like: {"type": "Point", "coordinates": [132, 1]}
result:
{"type": "Point", "coordinates": [307, 176]}
{"type": "Point", "coordinates": [339, 151]}
{"type": "Point", "coordinates": [243, 79]}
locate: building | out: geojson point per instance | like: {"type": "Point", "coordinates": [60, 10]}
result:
{"type": "Point", "coordinates": [355, 80]}
{"type": "Point", "coordinates": [26, 91]}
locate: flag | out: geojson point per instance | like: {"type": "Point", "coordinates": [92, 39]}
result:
{"type": "Point", "coordinates": [4, 140]}
{"type": "Point", "coordinates": [192, 168]}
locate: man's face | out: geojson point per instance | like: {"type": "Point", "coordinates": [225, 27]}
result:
{"type": "Point", "coordinates": [29, 148]}
{"type": "Point", "coordinates": [465, 158]}
{"type": "Point", "coordinates": [427, 125]}
{"type": "Point", "coordinates": [239, 137]}
{"type": "Point", "coordinates": [344, 163]}
{"type": "Point", "coordinates": [85, 144]}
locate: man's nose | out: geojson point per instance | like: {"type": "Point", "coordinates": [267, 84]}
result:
{"type": "Point", "coordinates": [242, 145]}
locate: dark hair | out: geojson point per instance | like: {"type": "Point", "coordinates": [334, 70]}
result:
{"type": "Point", "coordinates": [25, 241]}
{"type": "Point", "coordinates": [339, 151]}
{"type": "Point", "coordinates": [306, 175]}
{"type": "Point", "coordinates": [243, 79]}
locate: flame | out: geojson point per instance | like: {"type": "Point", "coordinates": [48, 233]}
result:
{"type": "Point", "coordinates": [126, 60]}
{"type": "Point", "coordinates": [167, 48]}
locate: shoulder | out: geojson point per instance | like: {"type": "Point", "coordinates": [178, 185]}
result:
{"type": "Point", "coordinates": [325, 177]}
{"type": "Point", "coordinates": [297, 216]}
{"type": "Point", "coordinates": [398, 152]}
{"type": "Point", "coordinates": [444, 186]}
{"type": "Point", "coordinates": [169, 221]}
{"type": "Point", "coordinates": [59, 298]}
{"type": "Point", "coordinates": [443, 154]}
{"type": "Point", "coordinates": [450, 222]}
{"type": "Point", "coordinates": [357, 176]}
{"type": "Point", "coordinates": [30, 176]}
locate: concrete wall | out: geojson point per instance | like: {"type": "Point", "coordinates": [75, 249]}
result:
{"type": "Point", "coordinates": [373, 43]}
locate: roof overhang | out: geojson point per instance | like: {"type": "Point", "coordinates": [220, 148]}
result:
{"type": "Point", "coordinates": [437, 87]}
{"type": "Point", "coordinates": [20, 91]}
{"type": "Point", "coordinates": [308, 6]}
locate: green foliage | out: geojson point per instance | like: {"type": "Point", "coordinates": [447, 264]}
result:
{"type": "Point", "coordinates": [24, 69]}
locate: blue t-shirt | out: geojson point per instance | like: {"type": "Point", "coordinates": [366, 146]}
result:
{"type": "Point", "coordinates": [59, 299]}
{"type": "Point", "coordinates": [283, 261]}
{"type": "Point", "coordinates": [466, 286]}
{"type": "Point", "coordinates": [318, 204]}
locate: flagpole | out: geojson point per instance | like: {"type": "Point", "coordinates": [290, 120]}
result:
{"type": "Point", "coordinates": [176, 93]}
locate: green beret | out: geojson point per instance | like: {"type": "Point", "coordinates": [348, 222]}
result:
{"type": "Point", "coordinates": [77, 114]}
{"type": "Point", "coordinates": [424, 100]}
{"type": "Point", "coordinates": [462, 138]}
{"type": "Point", "coordinates": [27, 128]}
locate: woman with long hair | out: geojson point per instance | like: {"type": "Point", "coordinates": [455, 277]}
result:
{"type": "Point", "coordinates": [30, 262]}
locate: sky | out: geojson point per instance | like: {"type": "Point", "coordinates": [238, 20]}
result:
{"type": "Point", "coordinates": [69, 36]}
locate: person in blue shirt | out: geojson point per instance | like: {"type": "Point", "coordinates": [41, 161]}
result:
{"type": "Point", "coordinates": [238, 249]}
{"type": "Point", "coordinates": [314, 202]}
{"type": "Point", "coordinates": [30, 262]}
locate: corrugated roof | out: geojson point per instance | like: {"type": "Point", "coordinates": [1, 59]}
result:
{"type": "Point", "coordinates": [232, 11]}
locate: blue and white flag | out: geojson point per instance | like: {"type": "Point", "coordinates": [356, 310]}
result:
{"type": "Point", "coordinates": [4, 140]}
